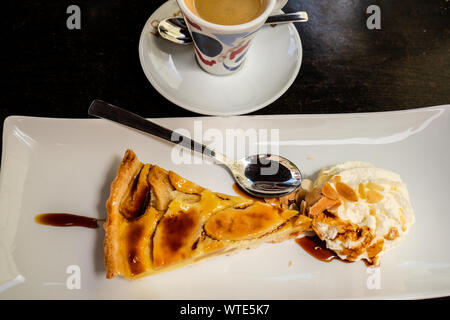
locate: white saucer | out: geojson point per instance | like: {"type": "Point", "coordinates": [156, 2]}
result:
{"type": "Point", "coordinates": [273, 63]}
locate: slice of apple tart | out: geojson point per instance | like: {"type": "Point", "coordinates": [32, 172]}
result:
{"type": "Point", "coordinates": [158, 221]}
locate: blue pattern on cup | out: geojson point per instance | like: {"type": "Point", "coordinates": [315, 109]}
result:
{"type": "Point", "coordinates": [208, 46]}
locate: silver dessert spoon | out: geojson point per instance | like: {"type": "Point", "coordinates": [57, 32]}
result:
{"type": "Point", "coordinates": [175, 29]}
{"type": "Point", "coordinates": [261, 175]}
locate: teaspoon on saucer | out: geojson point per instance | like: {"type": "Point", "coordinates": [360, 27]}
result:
{"type": "Point", "coordinates": [261, 175]}
{"type": "Point", "coordinates": [175, 29]}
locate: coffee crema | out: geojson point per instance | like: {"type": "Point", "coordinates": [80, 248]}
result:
{"type": "Point", "coordinates": [227, 12]}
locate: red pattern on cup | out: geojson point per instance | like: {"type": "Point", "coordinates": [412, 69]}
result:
{"type": "Point", "coordinates": [241, 49]}
{"type": "Point", "coordinates": [207, 62]}
{"type": "Point", "coordinates": [193, 23]}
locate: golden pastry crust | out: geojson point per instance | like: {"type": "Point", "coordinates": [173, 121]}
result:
{"type": "Point", "coordinates": [158, 221]}
{"type": "Point", "coordinates": [128, 168]}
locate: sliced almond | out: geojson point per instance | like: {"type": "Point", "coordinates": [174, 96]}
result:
{"type": "Point", "coordinates": [307, 185]}
{"type": "Point", "coordinates": [313, 196]}
{"type": "Point", "coordinates": [374, 196]}
{"type": "Point", "coordinates": [303, 207]}
{"type": "Point", "coordinates": [329, 192]}
{"type": "Point", "coordinates": [300, 195]}
{"type": "Point", "coordinates": [323, 204]}
{"type": "Point", "coordinates": [335, 206]}
{"type": "Point", "coordinates": [362, 191]}
{"type": "Point", "coordinates": [336, 179]}
{"type": "Point", "coordinates": [346, 192]}
{"type": "Point", "coordinates": [374, 186]}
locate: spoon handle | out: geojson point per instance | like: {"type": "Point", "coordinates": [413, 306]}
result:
{"type": "Point", "coordinates": [108, 111]}
{"type": "Point", "coordinates": [299, 16]}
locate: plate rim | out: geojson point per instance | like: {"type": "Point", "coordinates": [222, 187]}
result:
{"type": "Point", "coordinates": [253, 116]}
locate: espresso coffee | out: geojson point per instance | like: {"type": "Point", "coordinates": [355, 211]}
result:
{"type": "Point", "coordinates": [227, 12]}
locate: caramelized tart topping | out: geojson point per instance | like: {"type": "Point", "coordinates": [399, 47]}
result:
{"type": "Point", "coordinates": [161, 187]}
{"type": "Point", "coordinates": [184, 185]}
{"type": "Point", "coordinates": [175, 237]}
{"type": "Point", "coordinates": [158, 219]}
{"type": "Point", "coordinates": [241, 224]}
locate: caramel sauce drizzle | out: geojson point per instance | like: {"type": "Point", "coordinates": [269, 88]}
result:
{"type": "Point", "coordinates": [244, 194]}
{"type": "Point", "coordinates": [66, 220]}
{"type": "Point", "coordinates": [316, 248]}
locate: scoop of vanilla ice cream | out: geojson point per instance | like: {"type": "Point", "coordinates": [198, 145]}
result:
{"type": "Point", "coordinates": [372, 211]}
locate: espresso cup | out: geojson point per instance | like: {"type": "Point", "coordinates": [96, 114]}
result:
{"type": "Point", "coordinates": [221, 49]}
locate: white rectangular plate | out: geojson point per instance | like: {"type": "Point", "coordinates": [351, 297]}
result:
{"type": "Point", "coordinates": [67, 165]}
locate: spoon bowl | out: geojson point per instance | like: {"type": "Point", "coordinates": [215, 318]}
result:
{"type": "Point", "coordinates": [175, 30]}
{"type": "Point", "coordinates": [267, 175]}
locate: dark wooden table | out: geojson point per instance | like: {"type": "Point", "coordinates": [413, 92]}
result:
{"type": "Point", "coordinates": [49, 70]}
